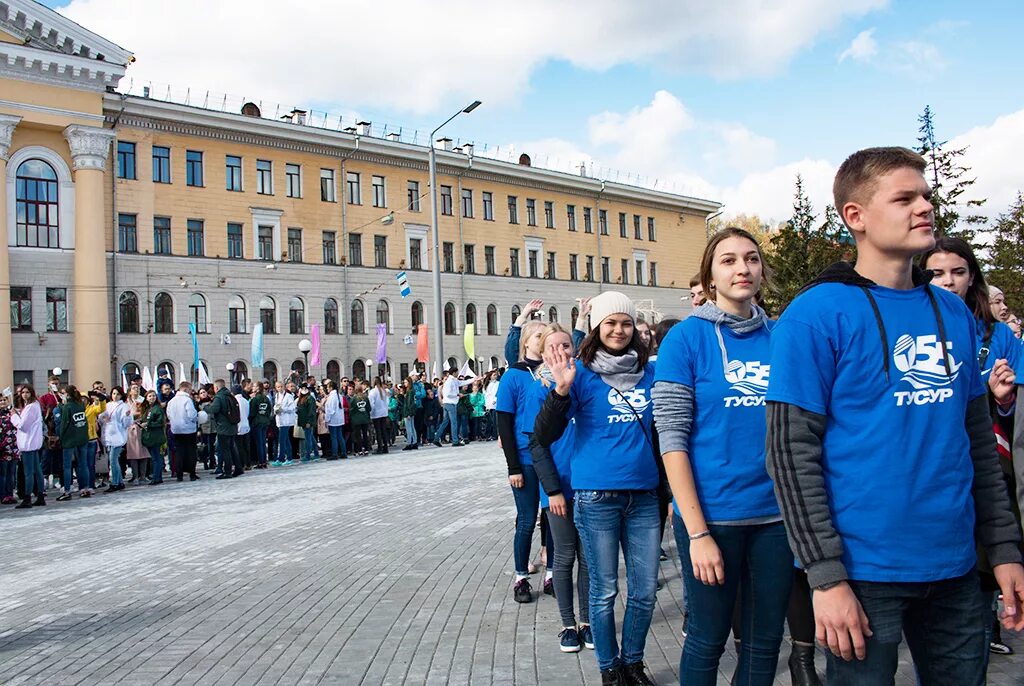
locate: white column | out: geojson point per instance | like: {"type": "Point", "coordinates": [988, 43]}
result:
{"type": "Point", "coordinates": [7, 126]}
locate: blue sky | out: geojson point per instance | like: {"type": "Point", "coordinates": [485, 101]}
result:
{"type": "Point", "coordinates": [728, 104]}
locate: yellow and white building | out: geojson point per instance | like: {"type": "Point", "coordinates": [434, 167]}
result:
{"type": "Point", "coordinates": [128, 218]}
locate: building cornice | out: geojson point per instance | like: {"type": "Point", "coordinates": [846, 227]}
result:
{"type": "Point", "coordinates": [35, 65]}
{"type": "Point", "coordinates": [36, 23]}
{"type": "Point", "coordinates": [160, 115]}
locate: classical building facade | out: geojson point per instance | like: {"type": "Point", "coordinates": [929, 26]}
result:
{"type": "Point", "coordinates": [131, 220]}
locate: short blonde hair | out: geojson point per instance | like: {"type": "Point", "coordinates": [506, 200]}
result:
{"type": "Point", "coordinates": [525, 333]}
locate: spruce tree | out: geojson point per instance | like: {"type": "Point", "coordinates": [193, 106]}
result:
{"type": "Point", "coordinates": [1006, 255]}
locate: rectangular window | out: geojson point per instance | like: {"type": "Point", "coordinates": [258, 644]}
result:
{"type": "Point", "coordinates": [488, 206]}
{"type": "Point", "coordinates": [467, 203]}
{"type": "Point", "coordinates": [125, 160]}
{"type": "Point", "coordinates": [327, 192]}
{"type": "Point", "coordinates": [549, 214]}
{"type": "Point", "coordinates": [654, 274]}
{"type": "Point", "coordinates": [161, 164]}
{"type": "Point", "coordinates": [233, 172]}
{"type": "Point", "coordinates": [589, 275]}
{"type": "Point", "coordinates": [193, 168]}
{"type": "Point", "coordinates": [551, 271]}
{"type": "Point", "coordinates": [413, 192]}
{"type": "Point", "coordinates": [513, 209]}
{"type": "Point", "coordinates": [531, 212]}
{"type": "Point", "coordinates": [265, 243]}
{"type": "Point", "coordinates": [606, 270]}
{"type": "Point", "coordinates": [196, 246]}
{"type": "Point", "coordinates": [588, 224]}
{"type": "Point", "coordinates": [446, 200]}
{"type": "Point", "coordinates": [415, 248]}
{"type": "Point", "coordinates": [353, 196]}
{"type": "Point", "coordinates": [622, 225]}
{"type": "Point", "coordinates": [127, 233]}
{"type": "Point", "coordinates": [624, 268]}
{"type": "Point", "coordinates": [574, 273]}
{"type": "Point", "coordinates": [355, 249]}
{"type": "Point", "coordinates": [489, 259]}
{"type": "Point", "coordinates": [236, 316]}
{"type": "Point", "coordinates": [602, 222]}
{"type": "Point", "coordinates": [268, 318]}
{"type": "Point", "coordinates": [636, 228]}
{"type": "Point", "coordinates": [21, 308]}
{"type": "Point", "coordinates": [652, 232]}
{"type": "Point", "coordinates": [448, 253]}
{"type": "Point", "coordinates": [161, 235]}
{"type": "Point", "coordinates": [639, 273]}
{"type": "Point", "coordinates": [264, 177]}
{"type": "Point", "coordinates": [379, 193]}
{"type": "Point", "coordinates": [295, 245]}
{"type": "Point", "coordinates": [235, 241]}
{"type": "Point", "coordinates": [56, 309]}
{"type": "Point", "coordinates": [532, 268]}
{"type": "Point", "coordinates": [570, 211]}
{"type": "Point", "coordinates": [293, 180]}
{"type": "Point", "coordinates": [513, 261]}
{"type": "Point", "coordinates": [330, 247]}
{"type": "Point", "coordinates": [380, 251]}
{"type": "Point", "coordinates": [469, 258]}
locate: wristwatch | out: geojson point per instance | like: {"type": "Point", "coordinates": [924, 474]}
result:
{"type": "Point", "coordinates": [825, 587]}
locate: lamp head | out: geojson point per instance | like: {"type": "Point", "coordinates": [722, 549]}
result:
{"type": "Point", "coordinates": [472, 106]}
{"type": "Point", "coordinates": [305, 346]}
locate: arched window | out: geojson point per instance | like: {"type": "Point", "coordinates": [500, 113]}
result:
{"type": "Point", "coordinates": [384, 314]}
{"type": "Point", "coordinates": [334, 371]}
{"type": "Point", "coordinates": [299, 367]}
{"type": "Point", "coordinates": [358, 321]}
{"type": "Point", "coordinates": [471, 317]}
{"type": "Point", "coordinates": [197, 312]}
{"type": "Point", "coordinates": [553, 315]}
{"type": "Point", "coordinates": [163, 313]}
{"type": "Point", "coordinates": [236, 314]}
{"type": "Point", "coordinates": [240, 372]}
{"type": "Point", "coordinates": [129, 370]}
{"type": "Point", "coordinates": [417, 314]}
{"type": "Point", "coordinates": [359, 370]}
{"type": "Point", "coordinates": [128, 313]}
{"type": "Point", "coordinates": [209, 372]}
{"type": "Point", "coordinates": [453, 363]}
{"type": "Point", "coordinates": [449, 319]}
{"type": "Point", "coordinates": [515, 313]}
{"type": "Point", "coordinates": [330, 316]}
{"type": "Point", "coordinates": [492, 320]}
{"type": "Point", "coordinates": [493, 362]}
{"type": "Point", "coordinates": [270, 371]}
{"type": "Point", "coordinates": [472, 365]}
{"type": "Point", "coordinates": [296, 316]}
{"type": "Point", "coordinates": [38, 211]}
{"type": "Point", "coordinates": [575, 314]}
{"type": "Point", "coordinates": [268, 314]}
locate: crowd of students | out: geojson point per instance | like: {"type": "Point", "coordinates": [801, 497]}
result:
{"type": "Point", "coordinates": [847, 468]}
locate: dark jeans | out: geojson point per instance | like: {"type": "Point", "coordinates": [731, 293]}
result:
{"type": "Point", "coordinates": [337, 440]}
{"type": "Point", "coordinates": [609, 521]}
{"type": "Point", "coordinates": [230, 462]}
{"type": "Point", "coordinates": [259, 438]}
{"type": "Point", "coordinates": [527, 501]}
{"type": "Point", "coordinates": [33, 468]}
{"type": "Point", "coordinates": [757, 558]}
{"type": "Point", "coordinates": [380, 428]}
{"type": "Point", "coordinates": [78, 454]}
{"type": "Point", "coordinates": [284, 443]}
{"type": "Point", "coordinates": [156, 464]}
{"type": "Point", "coordinates": [568, 551]}
{"type": "Point", "coordinates": [309, 444]}
{"type": "Point", "coordinates": [209, 441]}
{"type": "Point", "coordinates": [8, 478]}
{"type": "Point", "coordinates": [421, 425]}
{"type": "Point", "coordinates": [360, 438]}
{"type": "Point", "coordinates": [943, 621]}
{"type": "Point", "coordinates": [185, 449]}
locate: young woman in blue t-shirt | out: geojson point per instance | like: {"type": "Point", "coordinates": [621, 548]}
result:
{"type": "Point", "coordinates": [614, 475]}
{"type": "Point", "coordinates": [711, 379]}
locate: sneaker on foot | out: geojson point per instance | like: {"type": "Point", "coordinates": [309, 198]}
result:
{"type": "Point", "coordinates": [586, 636]}
{"type": "Point", "coordinates": [612, 677]}
{"type": "Point", "coordinates": [522, 592]}
{"type": "Point", "coordinates": [63, 497]}
{"type": "Point", "coordinates": [569, 641]}
{"type": "Point", "coordinates": [999, 648]}
{"type": "Point", "coordinates": [549, 587]}
{"type": "Point", "coordinates": [663, 555]}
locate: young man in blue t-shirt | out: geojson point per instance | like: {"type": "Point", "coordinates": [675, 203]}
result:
{"type": "Point", "coordinates": [881, 447]}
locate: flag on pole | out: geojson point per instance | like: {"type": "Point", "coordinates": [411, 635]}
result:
{"type": "Point", "coordinates": [434, 375]}
{"type": "Point", "coordinates": [422, 344]}
{"type": "Point", "coordinates": [403, 284]}
{"type": "Point", "coordinates": [256, 348]}
{"type": "Point", "coordinates": [124, 382]}
{"type": "Point", "coordinates": [204, 376]}
{"type": "Point", "coordinates": [314, 358]}
{"type": "Point", "coordinates": [469, 340]}
{"type": "Point", "coordinates": [466, 370]}
{"type": "Point", "coordinates": [181, 372]}
{"type": "Point", "coordinates": [147, 379]}
{"type": "Point", "coordinates": [195, 344]}
{"type": "Point", "coordinates": [382, 344]}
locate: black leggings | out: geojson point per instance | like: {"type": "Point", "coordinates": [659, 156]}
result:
{"type": "Point", "coordinates": [380, 428]}
{"type": "Point", "coordinates": [361, 438]}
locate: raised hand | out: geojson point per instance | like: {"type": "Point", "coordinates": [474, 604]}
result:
{"type": "Point", "coordinates": [562, 367]}
{"type": "Point", "coordinates": [1002, 382]}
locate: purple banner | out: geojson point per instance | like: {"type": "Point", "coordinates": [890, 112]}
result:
{"type": "Point", "coordinates": [382, 344]}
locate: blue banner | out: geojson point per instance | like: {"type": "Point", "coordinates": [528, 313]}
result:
{"type": "Point", "coordinates": [256, 353]}
{"type": "Point", "coordinates": [195, 344]}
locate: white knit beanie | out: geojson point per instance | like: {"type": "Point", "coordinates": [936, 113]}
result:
{"type": "Point", "coordinates": [608, 303]}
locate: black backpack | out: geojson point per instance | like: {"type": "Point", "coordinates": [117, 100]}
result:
{"type": "Point", "coordinates": [234, 415]}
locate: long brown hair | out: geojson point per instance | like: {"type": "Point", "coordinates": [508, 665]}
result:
{"type": "Point", "coordinates": [709, 257]}
{"type": "Point", "coordinates": [19, 402]}
{"type": "Point", "coordinates": [592, 343]}
{"type": "Point", "coordinates": [976, 296]}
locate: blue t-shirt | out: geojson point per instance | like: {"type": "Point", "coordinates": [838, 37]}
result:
{"type": "Point", "coordinates": [562, 452]}
{"type": "Point", "coordinates": [518, 395]}
{"type": "Point", "coordinates": [612, 452]}
{"type": "Point", "coordinates": [1002, 346]}
{"type": "Point", "coordinates": [896, 454]}
{"type": "Point", "coordinates": [728, 431]}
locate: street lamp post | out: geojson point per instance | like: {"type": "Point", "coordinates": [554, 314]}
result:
{"type": "Point", "coordinates": [304, 347]}
{"type": "Point", "coordinates": [438, 308]}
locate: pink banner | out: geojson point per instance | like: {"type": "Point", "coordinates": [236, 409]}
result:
{"type": "Point", "coordinates": [315, 357]}
{"type": "Point", "coordinates": [422, 352]}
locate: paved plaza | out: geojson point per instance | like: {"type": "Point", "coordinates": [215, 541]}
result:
{"type": "Point", "coordinates": [377, 570]}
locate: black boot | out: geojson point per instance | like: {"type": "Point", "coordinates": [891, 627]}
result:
{"type": "Point", "coordinates": [635, 675]}
{"type": "Point", "coordinates": [26, 503]}
{"type": "Point", "coordinates": [612, 677]}
{"type": "Point", "coordinates": [801, 666]}
{"type": "Point", "coordinates": [40, 500]}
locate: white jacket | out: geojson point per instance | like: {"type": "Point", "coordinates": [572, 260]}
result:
{"type": "Point", "coordinates": [450, 391]}
{"type": "Point", "coordinates": [115, 420]}
{"type": "Point", "coordinates": [182, 414]}
{"type": "Point", "coordinates": [286, 409]}
{"type": "Point", "coordinates": [334, 411]}
{"type": "Point", "coordinates": [243, 414]}
{"type": "Point", "coordinates": [29, 423]}
{"type": "Point", "coordinates": [491, 395]}
{"type": "Point", "coordinates": [378, 404]}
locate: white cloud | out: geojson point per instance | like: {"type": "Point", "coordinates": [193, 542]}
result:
{"type": "Point", "coordinates": [993, 153]}
{"type": "Point", "coordinates": [414, 55]}
{"type": "Point", "coordinates": [769, 194]}
{"type": "Point", "coordinates": [862, 48]}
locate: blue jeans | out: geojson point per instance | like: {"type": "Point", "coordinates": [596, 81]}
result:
{"type": "Point", "coordinates": [527, 501]}
{"type": "Point", "coordinates": [82, 469]}
{"type": "Point", "coordinates": [114, 452]}
{"type": "Point", "coordinates": [8, 478]}
{"type": "Point", "coordinates": [32, 465]}
{"type": "Point", "coordinates": [410, 431]}
{"type": "Point", "coordinates": [259, 436]}
{"type": "Point", "coordinates": [431, 427]}
{"type": "Point", "coordinates": [464, 427]}
{"type": "Point", "coordinates": [758, 559]}
{"type": "Point", "coordinates": [91, 448]}
{"type": "Point", "coordinates": [451, 419]}
{"type": "Point", "coordinates": [943, 621]}
{"type": "Point", "coordinates": [284, 443]}
{"type": "Point", "coordinates": [156, 465]}
{"type": "Point", "coordinates": [311, 443]}
{"type": "Point", "coordinates": [608, 521]}
{"type": "Point", "coordinates": [337, 440]}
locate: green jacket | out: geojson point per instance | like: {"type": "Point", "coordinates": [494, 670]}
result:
{"type": "Point", "coordinates": [410, 404]}
{"type": "Point", "coordinates": [464, 408]}
{"type": "Point", "coordinates": [74, 427]}
{"type": "Point", "coordinates": [479, 404]}
{"type": "Point", "coordinates": [153, 434]}
{"type": "Point", "coordinates": [261, 412]}
{"type": "Point", "coordinates": [218, 412]}
{"type": "Point", "coordinates": [307, 412]}
{"type": "Point", "coordinates": [359, 409]}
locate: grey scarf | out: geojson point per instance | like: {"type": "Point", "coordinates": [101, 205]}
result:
{"type": "Point", "coordinates": [621, 372]}
{"type": "Point", "coordinates": [712, 313]}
